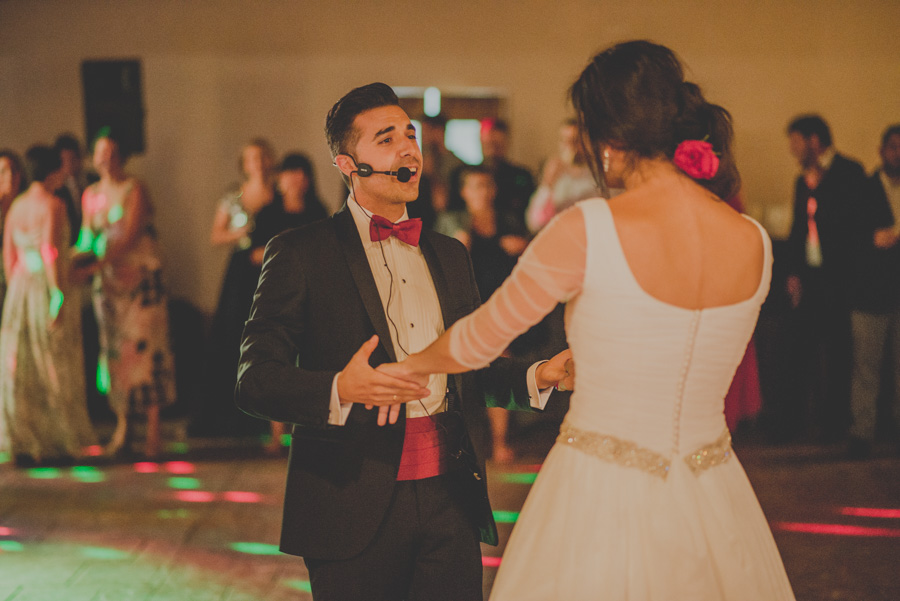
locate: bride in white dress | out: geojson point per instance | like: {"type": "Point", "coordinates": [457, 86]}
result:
{"type": "Point", "coordinates": [642, 497]}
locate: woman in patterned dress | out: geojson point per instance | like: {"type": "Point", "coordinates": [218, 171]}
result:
{"type": "Point", "coordinates": [136, 367]}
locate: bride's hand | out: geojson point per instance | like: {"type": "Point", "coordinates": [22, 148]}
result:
{"type": "Point", "coordinates": [390, 413]}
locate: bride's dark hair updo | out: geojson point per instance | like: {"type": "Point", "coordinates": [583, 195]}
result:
{"type": "Point", "coordinates": [633, 96]}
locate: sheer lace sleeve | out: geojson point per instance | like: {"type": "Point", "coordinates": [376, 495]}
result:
{"type": "Point", "coordinates": [550, 271]}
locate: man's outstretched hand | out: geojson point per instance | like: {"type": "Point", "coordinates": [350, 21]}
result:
{"type": "Point", "coordinates": [558, 371]}
{"type": "Point", "coordinates": [360, 383]}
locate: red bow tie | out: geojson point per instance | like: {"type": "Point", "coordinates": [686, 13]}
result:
{"type": "Point", "coordinates": [407, 231]}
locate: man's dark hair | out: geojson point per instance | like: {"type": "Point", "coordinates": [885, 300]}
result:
{"type": "Point", "coordinates": [339, 131]}
{"type": "Point", "coordinates": [41, 161]}
{"type": "Point", "coordinates": [893, 130]}
{"type": "Point", "coordinates": [68, 142]}
{"type": "Point", "coordinates": [810, 125]}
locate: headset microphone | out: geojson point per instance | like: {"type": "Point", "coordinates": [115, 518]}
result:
{"type": "Point", "coordinates": [403, 174]}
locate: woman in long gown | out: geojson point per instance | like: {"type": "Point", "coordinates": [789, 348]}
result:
{"type": "Point", "coordinates": [136, 367]}
{"type": "Point", "coordinates": [12, 182]}
{"type": "Point", "coordinates": [43, 406]}
{"type": "Point", "coordinates": [641, 497]}
{"type": "Point", "coordinates": [233, 226]}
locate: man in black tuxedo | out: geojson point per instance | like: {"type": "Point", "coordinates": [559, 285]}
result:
{"type": "Point", "coordinates": [875, 318]}
{"type": "Point", "coordinates": [822, 246]}
{"type": "Point", "coordinates": [377, 510]}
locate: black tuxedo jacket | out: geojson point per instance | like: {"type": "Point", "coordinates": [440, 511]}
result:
{"type": "Point", "coordinates": [316, 304]}
{"type": "Point", "coordinates": [839, 196]}
{"type": "Point", "coordinates": [877, 271]}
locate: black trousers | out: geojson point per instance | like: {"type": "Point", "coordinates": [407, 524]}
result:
{"type": "Point", "coordinates": [825, 350]}
{"type": "Point", "coordinates": [427, 549]}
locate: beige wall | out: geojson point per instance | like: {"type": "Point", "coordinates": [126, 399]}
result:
{"type": "Point", "coordinates": [218, 73]}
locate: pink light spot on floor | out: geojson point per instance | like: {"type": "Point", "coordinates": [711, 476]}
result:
{"type": "Point", "coordinates": [195, 496]}
{"type": "Point", "coordinates": [871, 512]}
{"type": "Point", "coordinates": [146, 467]}
{"type": "Point", "coordinates": [490, 562]}
{"type": "Point", "coordinates": [179, 467]}
{"type": "Point", "coordinates": [236, 496]}
{"type": "Point", "coordinates": [94, 450]}
{"type": "Point", "coordinates": [4, 531]}
{"type": "Point", "coordinates": [838, 529]}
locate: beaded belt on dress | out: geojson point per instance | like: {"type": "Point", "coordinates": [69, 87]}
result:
{"type": "Point", "coordinates": [629, 454]}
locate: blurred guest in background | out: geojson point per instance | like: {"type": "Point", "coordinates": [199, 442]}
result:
{"type": "Point", "coordinates": [875, 318]}
{"type": "Point", "coordinates": [296, 204]}
{"type": "Point", "coordinates": [566, 179]}
{"type": "Point", "coordinates": [821, 248]}
{"type": "Point", "coordinates": [233, 226]}
{"type": "Point", "coordinates": [515, 185]}
{"type": "Point", "coordinates": [136, 366]}
{"type": "Point", "coordinates": [440, 167]}
{"type": "Point", "coordinates": [43, 408]}
{"type": "Point", "coordinates": [12, 182]}
{"type": "Point", "coordinates": [495, 240]}
{"type": "Point", "coordinates": [74, 181]}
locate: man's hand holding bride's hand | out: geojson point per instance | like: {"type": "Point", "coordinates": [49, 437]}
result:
{"type": "Point", "coordinates": [558, 371]}
{"type": "Point", "coordinates": [400, 371]}
{"type": "Point", "coordinates": [360, 383]}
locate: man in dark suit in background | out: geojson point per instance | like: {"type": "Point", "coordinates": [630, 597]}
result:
{"type": "Point", "coordinates": [875, 319]}
{"type": "Point", "coordinates": [377, 510]}
{"type": "Point", "coordinates": [70, 150]}
{"type": "Point", "coordinates": [821, 247]}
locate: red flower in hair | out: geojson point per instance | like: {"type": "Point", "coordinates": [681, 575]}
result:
{"type": "Point", "coordinates": [697, 159]}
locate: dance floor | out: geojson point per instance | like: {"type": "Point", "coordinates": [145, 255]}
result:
{"type": "Point", "coordinates": [203, 524]}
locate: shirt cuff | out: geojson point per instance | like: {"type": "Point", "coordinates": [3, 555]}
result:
{"type": "Point", "coordinates": [337, 411]}
{"type": "Point", "coordinates": [537, 397]}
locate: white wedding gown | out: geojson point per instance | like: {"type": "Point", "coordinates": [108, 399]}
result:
{"type": "Point", "coordinates": [641, 498]}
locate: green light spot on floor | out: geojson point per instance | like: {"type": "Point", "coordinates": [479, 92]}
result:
{"type": "Point", "coordinates": [298, 585]}
{"type": "Point", "coordinates": [168, 514]}
{"type": "Point", "coordinates": [506, 517]}
{"type": "Point", "coordinates": [87, 473]}
{"type": "Point", "coordinates": [81, 470]}
{"type": "Point", "coordinates": [524, 478]}
{"type": "Point", "coordinates": [255, 548]}
{"type": "Point", "coordinates": [90, 477]}
{"type": "Point", "coordinates": [4, 457]}
{"type": "Point", "coordinates": [285, 440]}
{"type": "Point", "coordinates": [177, 447]}
{"type": "Point", "coordinates": [183, 483]}
{"type": "Point", "coordinates": [44, 473]}
{"type": "Point", "coordinates": [11, 545]}
{"type": "Point", "coordinates": [103, 553]}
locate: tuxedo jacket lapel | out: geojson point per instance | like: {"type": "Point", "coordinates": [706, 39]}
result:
{"type": "Point", "coordinates": [348, 236]}
{"type": "Point", "coordinates": [443, 290]}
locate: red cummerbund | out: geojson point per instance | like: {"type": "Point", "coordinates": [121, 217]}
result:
{"type": "Point", "coordinates": [426, 447]}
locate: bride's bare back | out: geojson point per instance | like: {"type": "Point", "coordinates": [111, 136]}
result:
{"type": "Point", "coordinates": [687, 248]}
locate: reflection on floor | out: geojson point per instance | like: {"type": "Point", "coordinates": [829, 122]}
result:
{"type": "Point", "coordinates": [204, 523]}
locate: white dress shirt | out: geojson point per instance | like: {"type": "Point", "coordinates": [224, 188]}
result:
{"type": "Point", "coordinates": [413, 314]}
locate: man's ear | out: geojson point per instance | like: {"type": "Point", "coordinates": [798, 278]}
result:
{"type": "Point", "coordinates": [345, 163]}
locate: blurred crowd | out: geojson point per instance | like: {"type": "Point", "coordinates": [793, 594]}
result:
{"type": "Point", "coordinates": [82, 263]}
